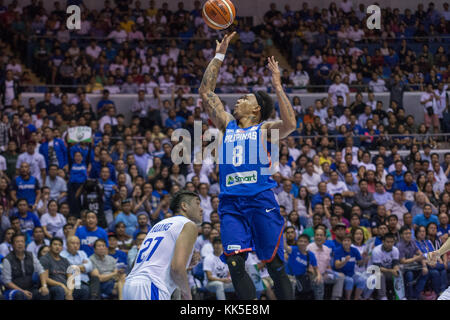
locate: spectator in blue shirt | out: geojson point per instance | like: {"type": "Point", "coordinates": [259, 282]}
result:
{"type": "Point", "coordinates": [53, 149]}
{"type": "Point", "coordinates": [104, 162]}
{"type": "Point", "coordinates": [344, 260]}
{"type": "Point", "coordinates": [26, 186]}
{"type": "Point", "coordinates": [408, 186]}
{"type": "Point", "coordinates": [89, 233]}
{"type": "Point", "coordinates": [437, 271]}
{"type": "Point", "coordinates": [104, 102]}
{"type": "Point", "coordinates": [28, 220]}
{"type": "Point", "coordinates": [320, 195]}
{"type": "Point", "coordinates": [85, 150]}
{"type": "Point", "coordinates": [77, 177]}
{"type": "Point", "coordinates": [119, 255]}
{"type": "Point", "coordinates": [425, 218]}
{"type": "Point", "coordinates": [174, 121]}
{"type": "Point", "coordinates": [109, 190]}
{"type": "Point", "coordinates": [300, 259]}
{"type": "Point", "coordinates": [443, 227]}
{"type": "Point", "coordinates": [127, 217]}
{"type": "Point", "coordinates": [143, 224]}
{"type": "Point", "coordinates": [398, 172]}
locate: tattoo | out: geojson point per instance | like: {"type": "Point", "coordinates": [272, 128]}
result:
{"type": "Point", "coordinates": [210, 76]}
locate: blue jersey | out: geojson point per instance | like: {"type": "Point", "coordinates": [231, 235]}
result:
{"type": "Point", "coordinates": [26, 188]}
{"type": "Point", "coordinates": [245, 161]}
{"type": "Point", "coordinates": [349, 268]}
{"type": "Point", "coordinates": [78, 173]}
{"type": "Point", "coordinates": [87, 238]}
{"type": "Point", "coordinates": [298, 262]}
{"type": "Point", "coordinates": [108, 188]}
{"type": "Point", "coordinates": [27, 224]}
{"type": "Point", "coordinates": [443, 230]}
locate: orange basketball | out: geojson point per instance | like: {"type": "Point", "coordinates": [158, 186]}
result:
{"type": "Point", "coordinates": [219, 14]}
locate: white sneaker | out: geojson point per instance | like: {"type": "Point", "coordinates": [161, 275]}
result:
{"type": "Point", "coordinates": [383, 298]}
{"type": "Point", "coordinates": [404, 298]}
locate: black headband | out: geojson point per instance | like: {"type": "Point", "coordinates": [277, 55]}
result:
{"type": "Point", "coordinates": [259, 99]}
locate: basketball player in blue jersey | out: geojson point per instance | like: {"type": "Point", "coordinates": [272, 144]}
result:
{"type": "Point", "coordinates": [165, 253]}
{"type": "Point", "coordinates": [249, 213]}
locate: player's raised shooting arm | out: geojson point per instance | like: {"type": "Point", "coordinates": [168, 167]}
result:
{"type": "Point", "coordinates": [183, 248]}
{"type": "Point", "coordinates": [211, 101]}
{"type": "Point", "coordinates": [288, 123]}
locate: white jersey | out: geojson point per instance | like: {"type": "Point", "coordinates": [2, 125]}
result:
{"type": "Point", "coordinates": [155, 255]}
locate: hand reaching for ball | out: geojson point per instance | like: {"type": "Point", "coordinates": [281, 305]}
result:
{"type": "Point", "coordinates": [276, 76]}
{"type": "Point", "coordinates": [222, 46]}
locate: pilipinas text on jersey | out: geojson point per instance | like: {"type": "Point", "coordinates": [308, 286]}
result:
{"type": "Point", "coordinates": [245, 162]}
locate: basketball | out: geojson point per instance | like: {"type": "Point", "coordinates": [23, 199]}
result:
{"type": "Point", "coordinates": [219, 14]}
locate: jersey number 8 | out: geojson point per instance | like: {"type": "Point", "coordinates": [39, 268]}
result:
{"type": "Point", "coordinates": [237, 156]}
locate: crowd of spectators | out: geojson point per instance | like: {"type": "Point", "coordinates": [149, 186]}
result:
{"type": "Point", "coordinates": [122, 43]}
{"type": "Point", "coordinates": [90, 204]}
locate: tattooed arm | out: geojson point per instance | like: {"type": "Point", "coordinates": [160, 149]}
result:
{"type": "Point", "coordinates": [211, 101]}
{"type": "Point", "coordinates": [288, 122]}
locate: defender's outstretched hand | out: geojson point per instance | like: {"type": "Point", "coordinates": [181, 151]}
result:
{"type": "Point", "coordinates": [276, 76]}
{"type": "Point", "coordinates": [222, 46]}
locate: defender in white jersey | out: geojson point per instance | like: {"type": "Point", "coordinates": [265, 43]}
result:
{"type": "Point", "coordinates": [165, 253]}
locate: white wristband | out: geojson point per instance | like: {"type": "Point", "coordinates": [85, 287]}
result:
{"type": "Point", "coordinates": [220, 56]}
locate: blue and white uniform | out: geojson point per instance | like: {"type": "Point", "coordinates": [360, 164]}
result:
{"type": "Point", "coordinates": [249, 212]}
{"type": "Point", "coordinates": [150, 277]}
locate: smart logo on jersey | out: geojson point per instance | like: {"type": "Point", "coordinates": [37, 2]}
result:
{"type": "Point", "coordinates": [236, 178]}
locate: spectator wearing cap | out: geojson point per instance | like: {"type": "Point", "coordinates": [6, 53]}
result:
{"type": "Point", "coordinates": [143, 224]}
{"type": "Point", "coordinates": [426, 217]}
{"type": "Point", "coordinates": [36, 161]}
{"type": "Point", "coordinates": [339, 230]}
{"type": "Point", "coordinates": [127, 217]}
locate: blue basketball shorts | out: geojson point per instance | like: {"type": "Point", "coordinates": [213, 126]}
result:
{"type": "Point", "coordinates": [251, 223]}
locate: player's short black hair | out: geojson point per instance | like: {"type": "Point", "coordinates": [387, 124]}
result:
{"type": "Point", "coordinates": [266, 104]}
{"type": "Point", "coordinates": [181, 196]}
